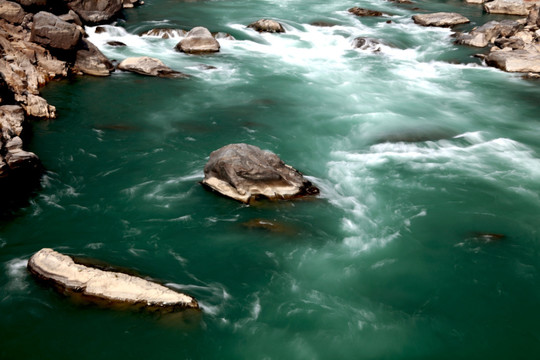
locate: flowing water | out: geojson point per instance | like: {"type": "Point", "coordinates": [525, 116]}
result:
{"type": "Point", "coordinates": [423, 243]}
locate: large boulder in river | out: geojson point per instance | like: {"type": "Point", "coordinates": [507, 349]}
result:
{"type": "Point", "coordinates": [48, 29]}
{"type": "Point", "coordinates": [149, 66]}
{"type": "Point", "coordinates": [96, 11]}
{"type": "Point", "coordinates": [198, 40]}
{"type": "Point", "coordinates": [442, 19]}
{"type": "Point", "coordinates": [267, 25]}
{"type": "Point", "coordinates": [104, 286]}
{"type": "Point", "coordinates": [508, 7]}
{"type": "Point", "coordinates": [245, 172]}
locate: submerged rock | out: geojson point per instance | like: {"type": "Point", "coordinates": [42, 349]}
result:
{"type": "Point", "coordinates": [364, 43]}
{"type": "Point", "coordinates": [245, 172]}
{"type": "Point", "coordinates": [441, 19]}
{"type": "Point", "coordinates": [165, 33]}
{"type": "Point", "coordinates": [149, 66]}
{"type": "Point", "coordinates": [364, 12]}
{"type": "Point", "coordinates": [266, 25]}
{"type": "Point", "coordinates": [198, 40]}
{"type": "Point", "coordinates": [105, 286]}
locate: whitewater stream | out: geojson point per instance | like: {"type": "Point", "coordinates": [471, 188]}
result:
{"type": "Point", "coordinates": [423, 243]}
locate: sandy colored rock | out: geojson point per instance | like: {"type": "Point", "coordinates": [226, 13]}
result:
{"type": "Point", "coordinates": [245, 172]}
{"type": "Point", "coordinates": [11, 12]}
{"type": "Point", "coordinates": [149, 66]}
{"type": "Point", "coordinates": [198, 40]}
{"type": "Point", "coordinates": [114, 287]}
{"type": "Point", "coordinates": [441, 19]}
{"type": "Point", "coordinates": [487, 33]}
{"type": "Point", "coordinates": [508, 7]}
{"type": "Point", "coordinates": [522, 61]}
{"type": "Point", "coordinates": [165, 33]}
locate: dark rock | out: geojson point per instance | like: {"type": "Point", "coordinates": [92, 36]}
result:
{"type": "Point", "coordinates": [116, 43]}
{"type": "Point", "coordinates": [364, 12]}
{"type": "Point", "coordinates": [102, 287]}
{"type": "Point", "coordinates": [96, 11]}
{"type": "Point", "coordinates": [245, 172]}
{"type": "Point", "coordinates": [50, 30]}
{"type": "Point", "coordinates": [89, 60]}
{"type": "Point", "coordinates": [198, 41]}
{"type": "Point", "coordinates": [441, 19]}
{"type": "Point", "coordinates": [100, 30]}
{"type": "Point", "coordinates": [149, 66]}
{"type": "Point", "coordinates": [364, 43]}
{"type": "Point", "coordinates": [322, 24]}
{"type": "Point", "coordinates": [513, 43]}
{"type": "Point", "coordinates": [266, 25]}
{"type": "Point", "coordinates": [11, 12]}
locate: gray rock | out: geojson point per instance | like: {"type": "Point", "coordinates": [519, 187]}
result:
{"type": "Point", "coordinates": [50, 30]}
{"type": "Point", "coordinates": [91, 61]}
{"type": "Point", "coordinates": [198, 41]}
{"type": "Point", "coordinates": [364, 12]}
{"type": "Point", "coordinates": [522, 61]}
{"type": "Point", "coordinates": [508, 7]}
{"type": "Point", "coordinates": [11, 121]}
{"type": "Point", "coordinates": [105, 286]}
{"type": "Point", "coordinates": [266, 25]}
{"type": "Point", "coordinates": [441, 19]}
{"type": "Point", "coordinates": [11, 12]}
{"type": "Point", "coordinates": [149, 66]}
{"type": "Point", "coordinates": [96, 11]}
{"type": "Point", "coordinates": [488, 32]}
{"type": "Point", "coordinates": [71, 17]}
{"type": "Point", "coordinates": [245, 172]}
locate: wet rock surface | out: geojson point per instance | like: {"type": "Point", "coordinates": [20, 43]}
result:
{"type": "Point", "coordinates": [365, 12]}
{"type": "Point", "coordinates": [245, 172]}
{"type": "Point", "coordinates": [101, 286]}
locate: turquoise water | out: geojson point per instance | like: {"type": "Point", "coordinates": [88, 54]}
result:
{"type": "Point", "coordinates": [423, 243]}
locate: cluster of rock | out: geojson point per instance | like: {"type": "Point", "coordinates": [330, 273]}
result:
{"type": "Point", "coordinates": [514, 44]}
{"type": "Point", "coordinates": [105, 287]}
{"type": "Point", "coordinates": [37, 46]}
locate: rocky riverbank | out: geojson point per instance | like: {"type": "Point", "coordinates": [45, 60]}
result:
{"type": "Point", "coordinates": [42, 40]}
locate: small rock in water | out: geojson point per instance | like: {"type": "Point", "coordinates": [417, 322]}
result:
{"type": "Point", "coordinates": [364, 12]}
{"type": "Point", "coordinates": [116, 43]}
{"type": "Point", "coordinates": [322, 24]}
{"type": "Point", "coordinates": [270, 226]}
{"type": "Point", "coordinates": [266, 25]}
{"type": "Point", "coordinates": [245, 172]}
{"type": "Point", "coordinates": [105, 287]}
